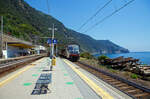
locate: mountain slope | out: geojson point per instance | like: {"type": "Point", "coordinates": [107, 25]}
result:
{"type": "Point", "coordinates": [27, 23]}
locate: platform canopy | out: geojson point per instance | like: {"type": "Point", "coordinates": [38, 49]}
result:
{"type": "Point", "coordinates": [13, 41]}
{"type": "Point", "coordinates": [19, 44]}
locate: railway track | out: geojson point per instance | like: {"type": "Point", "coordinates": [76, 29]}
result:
{"type": "Point", "coordinates": [7, 65]}
{"type": "Point", "coordinates": [132, 89]}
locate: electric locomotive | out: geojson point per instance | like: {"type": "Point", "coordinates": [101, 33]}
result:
{"type": "Point", "coordinates": [72, 52]}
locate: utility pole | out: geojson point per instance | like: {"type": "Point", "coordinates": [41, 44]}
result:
{"type": "Point", "coordinates": [53, 36]}
{"type": "Point", "coordinates": [52, 43]}
{"type": "Point", "coordinates": [53, 31]}
{"type": "Point", "coordinates": [1, 38]}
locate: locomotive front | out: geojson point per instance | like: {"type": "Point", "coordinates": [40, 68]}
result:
{"type": "Point", "coordinates": [73, 52]}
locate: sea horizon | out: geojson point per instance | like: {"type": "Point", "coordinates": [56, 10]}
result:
{"type": "Point", "coordinates": [144, 56]}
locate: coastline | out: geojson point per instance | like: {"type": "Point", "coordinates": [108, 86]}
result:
{"type": "Point", "coordinates": [144, 57]}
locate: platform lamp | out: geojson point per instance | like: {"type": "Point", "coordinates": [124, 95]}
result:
{"type": "Point", "coordinates": [1, 38]}
{"type": "Point", "coordinates": [53, 35]}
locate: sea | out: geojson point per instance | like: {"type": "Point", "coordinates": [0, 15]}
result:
{"type": "Point", "coordinates": [144, 57]}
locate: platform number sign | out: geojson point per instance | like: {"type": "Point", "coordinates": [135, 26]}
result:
{"type": "Point", "coordinates": [54, 41]}
{"type": "Point", "coordinates": [49, 41]}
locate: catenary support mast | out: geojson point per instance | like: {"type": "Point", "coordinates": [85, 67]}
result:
{"type": "Point", "coordinates": [1, 38]}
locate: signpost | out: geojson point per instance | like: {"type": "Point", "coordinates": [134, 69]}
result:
{"type": "Point", "coordinates": [49, 41]}
{"type": "Point", "coordinates": [52, 42]}
{"type": "Point", "coordinates": [1, 38]}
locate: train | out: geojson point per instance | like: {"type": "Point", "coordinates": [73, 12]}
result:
{"type": "Point", "coordinates": [71, 52]}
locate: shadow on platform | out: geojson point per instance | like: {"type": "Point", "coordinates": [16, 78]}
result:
{"type": "Point", "coordinates": [41, 86]}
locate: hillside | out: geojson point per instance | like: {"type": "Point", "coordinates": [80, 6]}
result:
{"type": "Point", "coordinates": [27, 23]}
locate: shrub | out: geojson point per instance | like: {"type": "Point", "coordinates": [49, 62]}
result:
{"type": "Point", "coordinates": [113, 71]}
{"type": "Point", "coordinates": [86, 55]}
{"type": "Point", "coordinates": [134, 76]}
{"type": "Point", "coordinates": [127, 74]}
{"type": "Point", "coordinates": [102, 58]}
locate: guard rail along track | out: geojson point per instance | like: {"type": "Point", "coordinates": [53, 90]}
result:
{"type": "Point", "coordinates": [130, 88]}
{"type": "Point", "coordinates": [7, 64]}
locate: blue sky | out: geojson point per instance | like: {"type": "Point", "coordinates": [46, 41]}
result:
{"type": "Point", "coordinates": [129, 28]}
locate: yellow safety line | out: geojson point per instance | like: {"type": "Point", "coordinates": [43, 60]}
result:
{"type": "Point", "coordinates": [16, 75]}
{"type": "Point", "coordinates": [94, 86]}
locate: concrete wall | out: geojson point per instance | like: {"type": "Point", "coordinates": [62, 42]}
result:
{"type": "Point", "coordinates": [0, 46]}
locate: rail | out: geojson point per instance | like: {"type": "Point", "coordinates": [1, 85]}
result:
{"type": "Point", "coordinates": [18, 58]}
{"type": "Point", "coordinates": [122, 80]}
{"type": "Point", "coordinates": [14, 62]}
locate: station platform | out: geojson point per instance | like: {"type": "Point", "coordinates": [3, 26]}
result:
{"type": "Point", "coordinates": [67, 81]}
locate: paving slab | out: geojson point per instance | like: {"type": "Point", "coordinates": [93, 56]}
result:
{"type": "Point", "coordinates": [64, 84]}
{"type": "Point", "coordinates": [22, 86]}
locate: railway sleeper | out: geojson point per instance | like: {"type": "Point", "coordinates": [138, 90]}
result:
{"type": "Point", "coordinates": [133, 90]}
{"type": "Point", "coordinates": [103, 75]}
{"type": "Point", "coordinates": [116, 82]}
{"type": "Point", "coordinates": [111, 80]}
{"type": "Point", "coordinates": [5, 69]}
{"type": "Point", "coordinates": [122, 84]}
{"type": "Point", "coordinates": [140, 95]}
{"type": "Point", "coordinates": [108, 78]}
{"type": "Point", "coordinates": [125, 87]}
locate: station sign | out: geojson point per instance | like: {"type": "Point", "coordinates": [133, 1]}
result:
{"type": "Point", "coordinates": [54, 41]}
{"type": "Point", "coordinates": [49, 41]}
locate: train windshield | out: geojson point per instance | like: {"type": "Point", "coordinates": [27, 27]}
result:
{"type": "Point", "coordinates": [73, 48]}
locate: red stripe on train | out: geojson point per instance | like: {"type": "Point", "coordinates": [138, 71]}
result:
{"type": "Point", "coordinates": [74, 54]}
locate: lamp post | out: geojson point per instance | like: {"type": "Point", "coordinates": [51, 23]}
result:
{"type": "Point", "coordinates": [1, 38]}
{"type": "Point", "coordinates": [53, 35]}
{"type": "Point", "coordinates": [52, 54]}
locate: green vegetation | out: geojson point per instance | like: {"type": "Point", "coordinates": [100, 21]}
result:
{"type": "Point", "coordinates": [127, 74]}
{"type": "Point", "coordinates": [113, 71]}
{"type": "Point", "coordinates": [25, 22]}
{"type": "Point", "coordinates": [86, 55]}
{"type": "Point", "coordinates": [102, 58]}
{"type": "Point", "coordinates": [95, 62]}
{"type": "Point", "coordinates": [134, 76]}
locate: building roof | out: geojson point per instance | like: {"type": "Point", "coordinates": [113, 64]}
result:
{"type": "Point", "coordinates": [13, 41]}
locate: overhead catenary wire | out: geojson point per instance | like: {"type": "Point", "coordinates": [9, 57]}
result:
{"type": "Point", "coordinates": [125, 1]}
{"type": "Point", "coordinates": [115, 6]}
{"type": "Point", "coordinates": [48, 7]}
{"type": "Point", "coordinates": [97, 12]}
{"type": "Point", "coordinates": [105, 18]}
